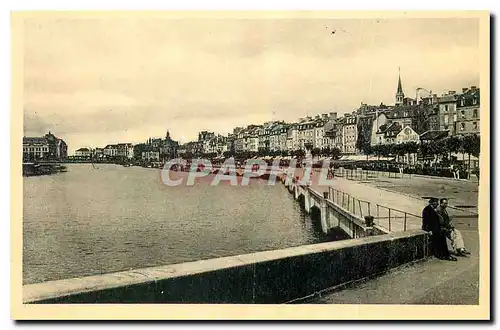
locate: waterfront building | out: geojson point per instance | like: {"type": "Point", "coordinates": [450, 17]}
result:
{"type": "Point", "coordinates": [83, 152]}
{"type": "Point", "coordinates": [48, 147]}
{"type": "Point", "coordinates": [221, 144]}
{"type": "Point", "coordinates": [292, 139]}
{"type": "Point", "coordinates": [379, 125]}
{"type": "Point", "coordinates": [447, 114]}
{"type": "Point", "coordinates": [125, 150]}
{"type": "Point", "coordinates": [264, 136]}
{"type": "Point", "coordinates": [387, 133]}
{"type": "Point", "coordinates": [205, 135]}
{"type": "Point", "coordinates": [252, 139]}
{"type": "Point", "coordinates": [283, 136]}
{"type": "Point", "coordinates": [151, 154]}
{"type": "Point", "coordinates": [331, 131]}
{"type": "Point", "coordinates": [194, 148]}
{"type": "Point", "coordinates": [407, 135]}
{"type": "Point", "coordinates": [468, 111]}
{"type": "Point", "coordinates": [230, 142]}
{"type": "Point", "coordinates": [319, 132]}
{"type": "Point", "coordinates": [239, 142]}
{"type": "Point", "coordinates": [349, 134]}
{"type": "Point", "coordinates": [35, 148]}
{"type": "Point", "coordinates": [110, 151]}
{"type": "Point", "coordinates": [277, 137]}
{"type": "Point", "coordinates": [403, 115]}
{"type": "Point", "coordinates": [168, 147]}
{"type": "Point", "coordinates": [98, 153]}
{"type": "Point", "coordinates": [433, 118]}
{"type": "Point", "coordinates": [306, 128]}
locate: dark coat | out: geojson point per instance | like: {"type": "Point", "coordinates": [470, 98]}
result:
{"type": "Point", "coordinates": [430, 220]}
{"type": "Point", "coordinates": [444, 219]}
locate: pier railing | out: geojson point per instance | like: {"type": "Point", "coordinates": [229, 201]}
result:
{"type": "Point", "coordinates": [350, 203]}
{"type": "Point", "coordinates": [394, 219]}
{"type": "Point", "coordinates": [384, 216]}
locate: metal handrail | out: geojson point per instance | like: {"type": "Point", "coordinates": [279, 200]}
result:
{"type": "Point", "coordinates": [348, 202]}
{"type": "Point", "coordinates": [354, 205]}
{"type": "Point", "coordinates": [389, 217]}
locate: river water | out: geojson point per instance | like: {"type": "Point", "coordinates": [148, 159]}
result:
{"type": "Point", "coordinates": [111, 218]}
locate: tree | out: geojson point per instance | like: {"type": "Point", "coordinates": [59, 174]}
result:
{"type": "Point", "coordinates": [315, 152]}
{"type": "Point", "coordinates": [420, 119]}
{"type": "Point", "coordinates": [336, 153]}
{"type": "Point", "coordinates": [263, 152]}
{"type": "Point", "coordinates": [471, 145]}
{"type": "Point", "coordinates": [138, 149]}
{"type": "Point", "coordinates": [228, 154]}
{"type": "Point", "coordinates": [410, 148]}
{"type": "Point", "coordinates": [298, 153]}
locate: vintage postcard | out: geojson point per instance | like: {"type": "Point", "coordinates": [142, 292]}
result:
{"type": "Point", "coordinates": [250, 165]}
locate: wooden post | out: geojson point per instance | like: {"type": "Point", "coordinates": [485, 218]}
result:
{"type": "Point", "coordinates": [389, 219]}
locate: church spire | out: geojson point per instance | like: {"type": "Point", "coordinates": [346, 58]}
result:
{"type": "Point", "coordinates": [399, 93]}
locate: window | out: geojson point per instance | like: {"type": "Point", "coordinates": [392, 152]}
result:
{"type": "Point", "coordinates": [462, 126]}
{"type": "Point", "coordinates": [462, 102]}
{"type": "Point", "coordinates": [446, 120]}
{"type": "Point", "coordinates": [462, 113]}
{"type": "Point", "coordinates": [474, 125]}
{"type": "Point", "coordinates": [474, 101]}
{"type": "Point", "coordinates": [446, 108]}
{"type": "Point", "coordinates": [474, 113]}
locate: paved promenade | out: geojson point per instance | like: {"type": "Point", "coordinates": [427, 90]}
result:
{"type": "Point", "coordinates": [432, 281]}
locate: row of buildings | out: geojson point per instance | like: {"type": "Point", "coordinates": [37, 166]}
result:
{"type": "Point", "coordinates": [119, 150]}
{"type": "Point", "coordinates": [409, 119]}
{"type": "Point", "coordinates": [154, 149]}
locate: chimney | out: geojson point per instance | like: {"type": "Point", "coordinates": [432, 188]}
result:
{"type": "Point", "coordinates": [473, 88]}
{"type": "Point", "coordinates": [464, 90]}
{"type": "Point", "coordinates": [451, 92]}
{"type": "Point", "coordinates": [333, 115]}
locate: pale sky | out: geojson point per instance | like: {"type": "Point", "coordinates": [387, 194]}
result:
{"type": "Point", "coordinates": [94, 82]}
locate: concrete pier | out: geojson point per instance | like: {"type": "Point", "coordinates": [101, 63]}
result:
{"type": "Point", "coordinates": [332, 214]}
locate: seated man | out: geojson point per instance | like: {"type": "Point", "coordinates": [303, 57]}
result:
{"type": "Point", "coordinates": [449, 229]}
{"type": "Point", "coordinates": [431, 224]}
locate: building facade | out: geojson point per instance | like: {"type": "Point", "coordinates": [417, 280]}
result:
{"type": "Point", "coordinates": [468, 112]}
{"type": "Point", "coordinates": [447, 114]}
{"type": "Point", "coordinates": [48, 147]}
{"type": "Point", "coordinates": [349, 134]}
{"type": "Point", "coordinates": [83, 152]}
